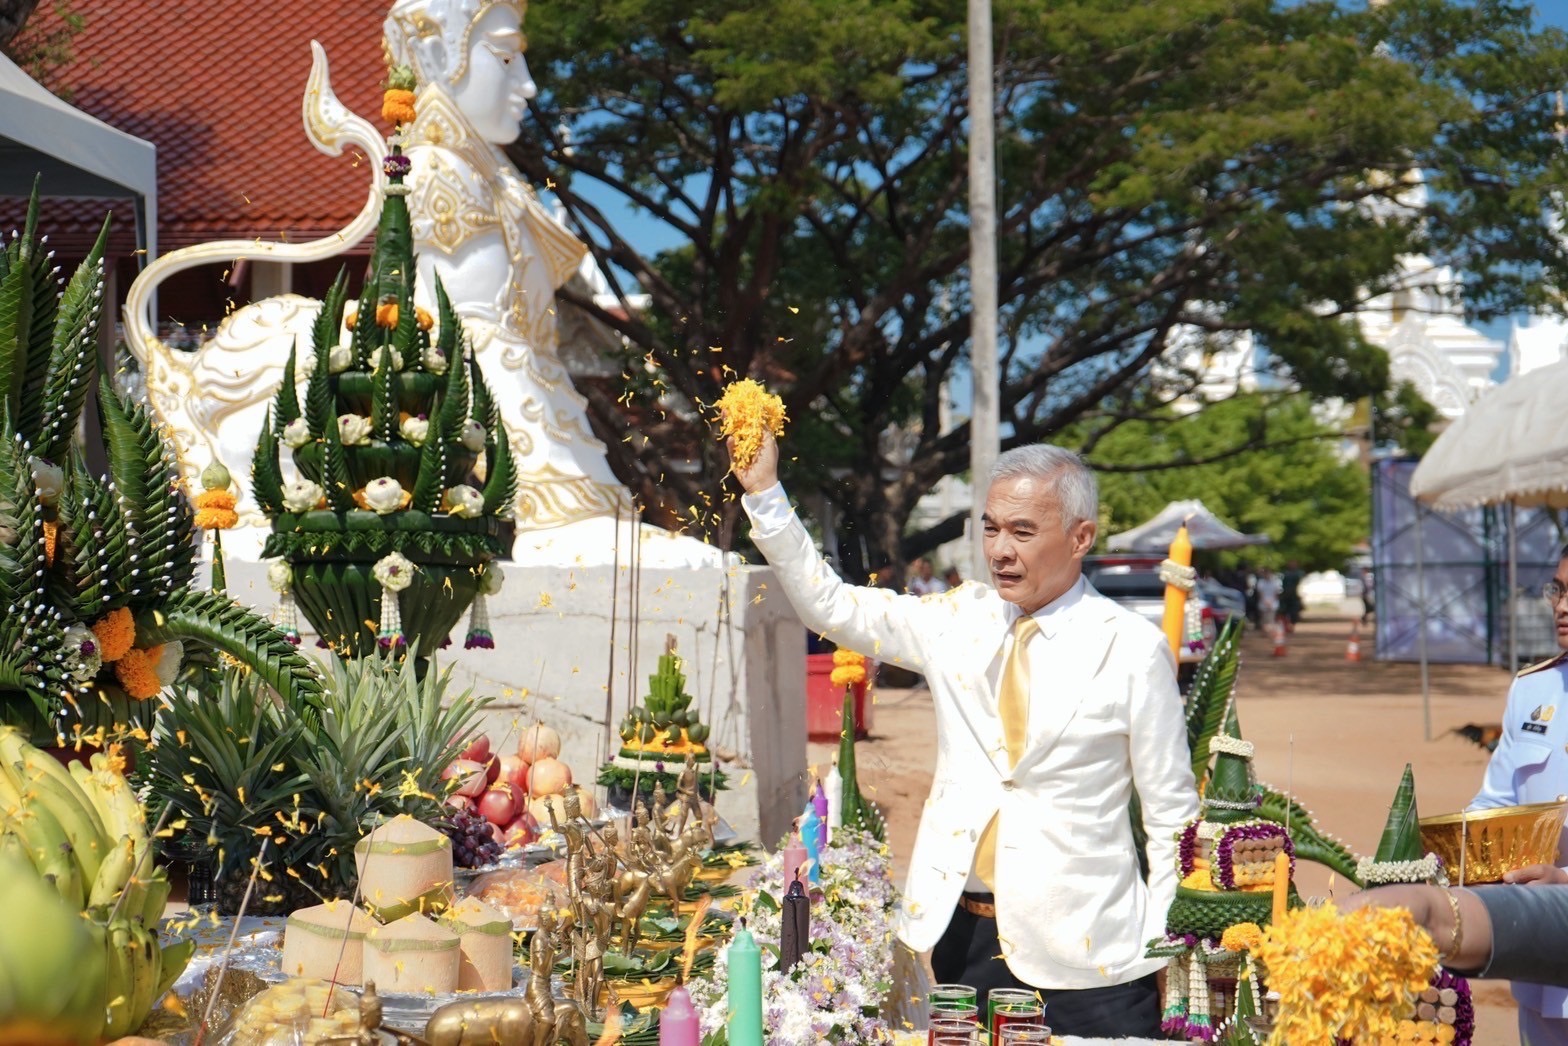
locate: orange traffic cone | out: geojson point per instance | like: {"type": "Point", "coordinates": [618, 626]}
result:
{"type": "Point", "coordinates": [1279, 639]}
{"type": "Point", "coordinates": [1353, 647]}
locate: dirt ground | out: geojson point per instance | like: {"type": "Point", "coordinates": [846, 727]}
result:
{"type": "Point", "coordinates": [1336, 733]}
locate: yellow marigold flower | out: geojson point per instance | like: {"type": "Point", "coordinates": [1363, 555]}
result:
{"type": "Point", "coordinates": [1243, 937]}
{"type": "Point", "coordinates": [842, 656]}
{"type": "Point", "coordinates": [397, 106]}
{"type": "Point", "coordinates": [423, 319]}
{"type": "Point", "coordinates": [116, 632]}
{"type": "Point", "coordinates": [137, 671]}
{"type": "Point", "coordinates": [1199, 879]}
{"type": "Point", "coordinates": [1344, 977]}
{"type": "Point", "coordinates": [747, 412]}
{"type": "Point", "coordinates": [386, 315]}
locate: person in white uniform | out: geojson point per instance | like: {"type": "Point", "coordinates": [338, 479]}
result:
{"type": "Point", "coordinates": [1530, 765]}
{"type": "Point", "coordinates": [1052, 703]}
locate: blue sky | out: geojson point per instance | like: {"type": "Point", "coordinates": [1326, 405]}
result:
{"type": "Point", "coordinates": [650, 235]}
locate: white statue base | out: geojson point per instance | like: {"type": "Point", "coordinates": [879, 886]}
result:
{"type": "Point", "coordinates": [745, 665]}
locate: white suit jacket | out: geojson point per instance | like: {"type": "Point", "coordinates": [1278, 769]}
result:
{"type": "Point", "coordinates": [1531, 766]}
{"type": "Point", "coordinates": [1105, 714]}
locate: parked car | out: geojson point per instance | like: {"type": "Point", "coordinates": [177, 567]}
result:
{"type": "Point", "coordinates": [1134, 581]}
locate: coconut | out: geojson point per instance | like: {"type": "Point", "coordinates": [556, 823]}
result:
{"type": "Point", "coordinates": [404, 866]}
{"type": "Point", "coordinates": [326, 942]}
{"type": "Point", "coordinates": [413, 954]}
{"type": "Point", "coordinates": [485, 936]}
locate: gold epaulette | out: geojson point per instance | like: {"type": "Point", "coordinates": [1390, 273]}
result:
{"type": "Point", "coordinates": [1548, 663]}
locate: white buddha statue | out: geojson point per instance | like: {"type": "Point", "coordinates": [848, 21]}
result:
{"type": "Point", "coordinates": [500, 255]}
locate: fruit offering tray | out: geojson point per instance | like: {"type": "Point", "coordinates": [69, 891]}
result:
{"type": "Point", "coordinates": [258, 951]}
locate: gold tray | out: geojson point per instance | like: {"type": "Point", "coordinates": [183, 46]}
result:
{"type": "Point", "coordinates": [1495, 841]}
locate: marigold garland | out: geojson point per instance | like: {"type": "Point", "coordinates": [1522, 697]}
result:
{"type": "Point", "coordinates": [116, 632]}
{"type": "Point", "coordinates": [137, 671]}
{"type": "Point", "coordinates": [747, 413]}
{"type": "Point", "coordinates": [1349, 976]}
{"type": "Point", "coordinates": [215, 510]}
{"type": "Point", "coordinates": [386, 315]}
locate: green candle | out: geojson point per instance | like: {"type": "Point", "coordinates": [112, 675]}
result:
{"type": "Point", "coordinates": [745, 989]}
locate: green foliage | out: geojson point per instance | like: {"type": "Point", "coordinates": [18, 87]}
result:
{"type": "Point", "coordinates": [383, 399]}
{"type": "Point", "coordinates": [329, 321]}
{"type": "Point", "coordinates": [319, 412]}
{"type": "Point", "coordinates": [1220, 164]}
{"type": "Point", "coordinates": [266, 477]}
{"type": "Point", "coordinates": [163, 559]}
{"type": "Point", "coordinates": [1209, 695]}
{"type": "Point", "coordinates": [454, 401]}
{"type": "Point", "coordinates": [1262, 463]}
{"type": "Point", "coordinates": [314, 776]}
{"type": "Point", "coordinates": [334, 470]}
{"type": "Point", "coordinates": [285, 405]}
{"type": "Point", "coordinates": [432, 465]}
{"type": "Point", "coordinates": [501, 480]}
{"type": "Point", "coordinates": [74, 359]}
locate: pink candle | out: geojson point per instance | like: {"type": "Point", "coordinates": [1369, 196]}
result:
{"type": "Point", "coordinates": [678, 1023]}
{"type": "Point", "coordinates": [794, 858]}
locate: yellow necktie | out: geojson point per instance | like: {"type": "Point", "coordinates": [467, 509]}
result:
{"type": "Point", "coordinates": [1012, 704]}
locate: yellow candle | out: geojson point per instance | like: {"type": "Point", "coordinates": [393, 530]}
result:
{"type": "Point", "coordinates": [1175, 621]}
{"type": "Point", "coordinates": [1281, 885]}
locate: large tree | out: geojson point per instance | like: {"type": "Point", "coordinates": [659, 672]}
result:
{"type": "Point", "coordinates": [1165, 165]}
{"type": "Point", "coordinates": [1302, 487]}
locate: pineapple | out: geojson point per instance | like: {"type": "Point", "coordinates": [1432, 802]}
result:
{"type": "Point", "coordinates": [313, 778]}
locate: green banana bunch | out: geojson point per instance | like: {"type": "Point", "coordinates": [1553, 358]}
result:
{"type": "Point", "coordinates": [79, 836]}
{"type": "Point", "coordinates": [52, 967]}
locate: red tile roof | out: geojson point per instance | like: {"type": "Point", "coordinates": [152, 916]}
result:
{"type": "Point", "coordinates": [217, 88]}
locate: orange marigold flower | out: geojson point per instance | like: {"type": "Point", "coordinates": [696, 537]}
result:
{"type": "Point", "coordinates": [847, 675]}
{"type": "Point", "coordinates": [423, 318]}
{"type": "Point", "coordinates": [215, 499]}
{"type": "Point", "coordinates": [386, 315]}
{"type": "Point", "coordinates": [116, 632]}
{"type": "Point", "coordinates": [51, 540]}
{"type": "Point", "coordinates": [397, 106]}
{"type": "Point", "coordinates": [350, 318]}
{"type": "Point", "coordinates": [217, 518]}
{"type": "Point", "coordinates": [137, 671]}
{"type": "Point", "coordinates": [1243, 937]}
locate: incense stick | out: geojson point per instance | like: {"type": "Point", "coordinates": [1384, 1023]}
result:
{"type": "Point", "coordinates": [234, 933]}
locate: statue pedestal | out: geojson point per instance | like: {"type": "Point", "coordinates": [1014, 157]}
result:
{"type": "Point", "coordinates": [552, 661]}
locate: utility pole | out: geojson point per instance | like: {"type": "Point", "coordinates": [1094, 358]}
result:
{"type": "Point", "coordinates": [984, 418]}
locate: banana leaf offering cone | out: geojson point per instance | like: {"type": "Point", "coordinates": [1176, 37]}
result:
{"type": "Point", "coordinates": [404, 481]}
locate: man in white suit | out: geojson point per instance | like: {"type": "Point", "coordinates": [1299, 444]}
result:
{"type": "Point", "coordinates": [1052, 704]}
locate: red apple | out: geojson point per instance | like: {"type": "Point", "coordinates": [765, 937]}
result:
{"type": "Point", "coordinates": [460, 802]}
{"type": "Point", "coordinates": [478, 751]}
{"type": "Point", "coordinates": [499, 805]}
{"type": "Point", "coordinates": [469, 775]}
{"type": "Point", "coordinates": [515, 772]}
{"type": "Point", "coordinates": [539, 742]}
{"type": "Point", "coordinates": [492, 769]}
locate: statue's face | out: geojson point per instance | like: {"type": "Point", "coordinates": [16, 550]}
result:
{"type": "Point", "coordinates": [496, 86]}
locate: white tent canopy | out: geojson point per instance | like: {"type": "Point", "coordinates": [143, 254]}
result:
{"type": "Point", "coordinates": [76, 154]}
{"type": "Point", "coordinates": [1511, 445]}
{"type": "Point", "coordinates": [1204, 528]}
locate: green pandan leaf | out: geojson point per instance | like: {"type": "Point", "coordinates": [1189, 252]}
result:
{"type": "Point", "coordinates": [285, 405]}
{"type": "Point", "coordinates": [1401, 839]}
{"type": "Point", "coordinates": [319, 409]}
{"type": "Point", "coordinates": [483, 409]}
{"type": "Point", "coordinates": [432, 465]}
{"type": "Point", "coordinates": [363, 339]}
{"type": "Point", "coordinates": [334, 467]}
{"type": "Point", "coordinates": [1208, 697]}
{"type": "Point", "coordinates": [449, 336]}
{"type": "Point", "coordinates": [501, 483]}
{"type": "Point", "coordinates": [73, 358]}
{"type": "Point", "coordinates": [329, 321]}
{"type": "Point", "coordinates": [40, 345]}
{"type": "Point", "coordinates": [16, 322]}
{"type": "Point", "coordinates": [266, 475]}
{"type": "Point", "coordinates": [454, 401]}
{"type": "Point", "coordinates": [383, 398]}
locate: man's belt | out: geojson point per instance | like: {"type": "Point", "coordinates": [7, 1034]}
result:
{"type": "Point", "coordinates": [981, 904]}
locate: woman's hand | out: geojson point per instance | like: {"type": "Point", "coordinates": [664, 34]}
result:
{"type": "Point", "coordinates": [1536, 874]}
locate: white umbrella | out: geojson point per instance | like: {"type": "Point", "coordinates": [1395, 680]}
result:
{"type": "Point", "coordinates": [1204, 528]}
{"type": "Point", "coordinates": [1511, 445]}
